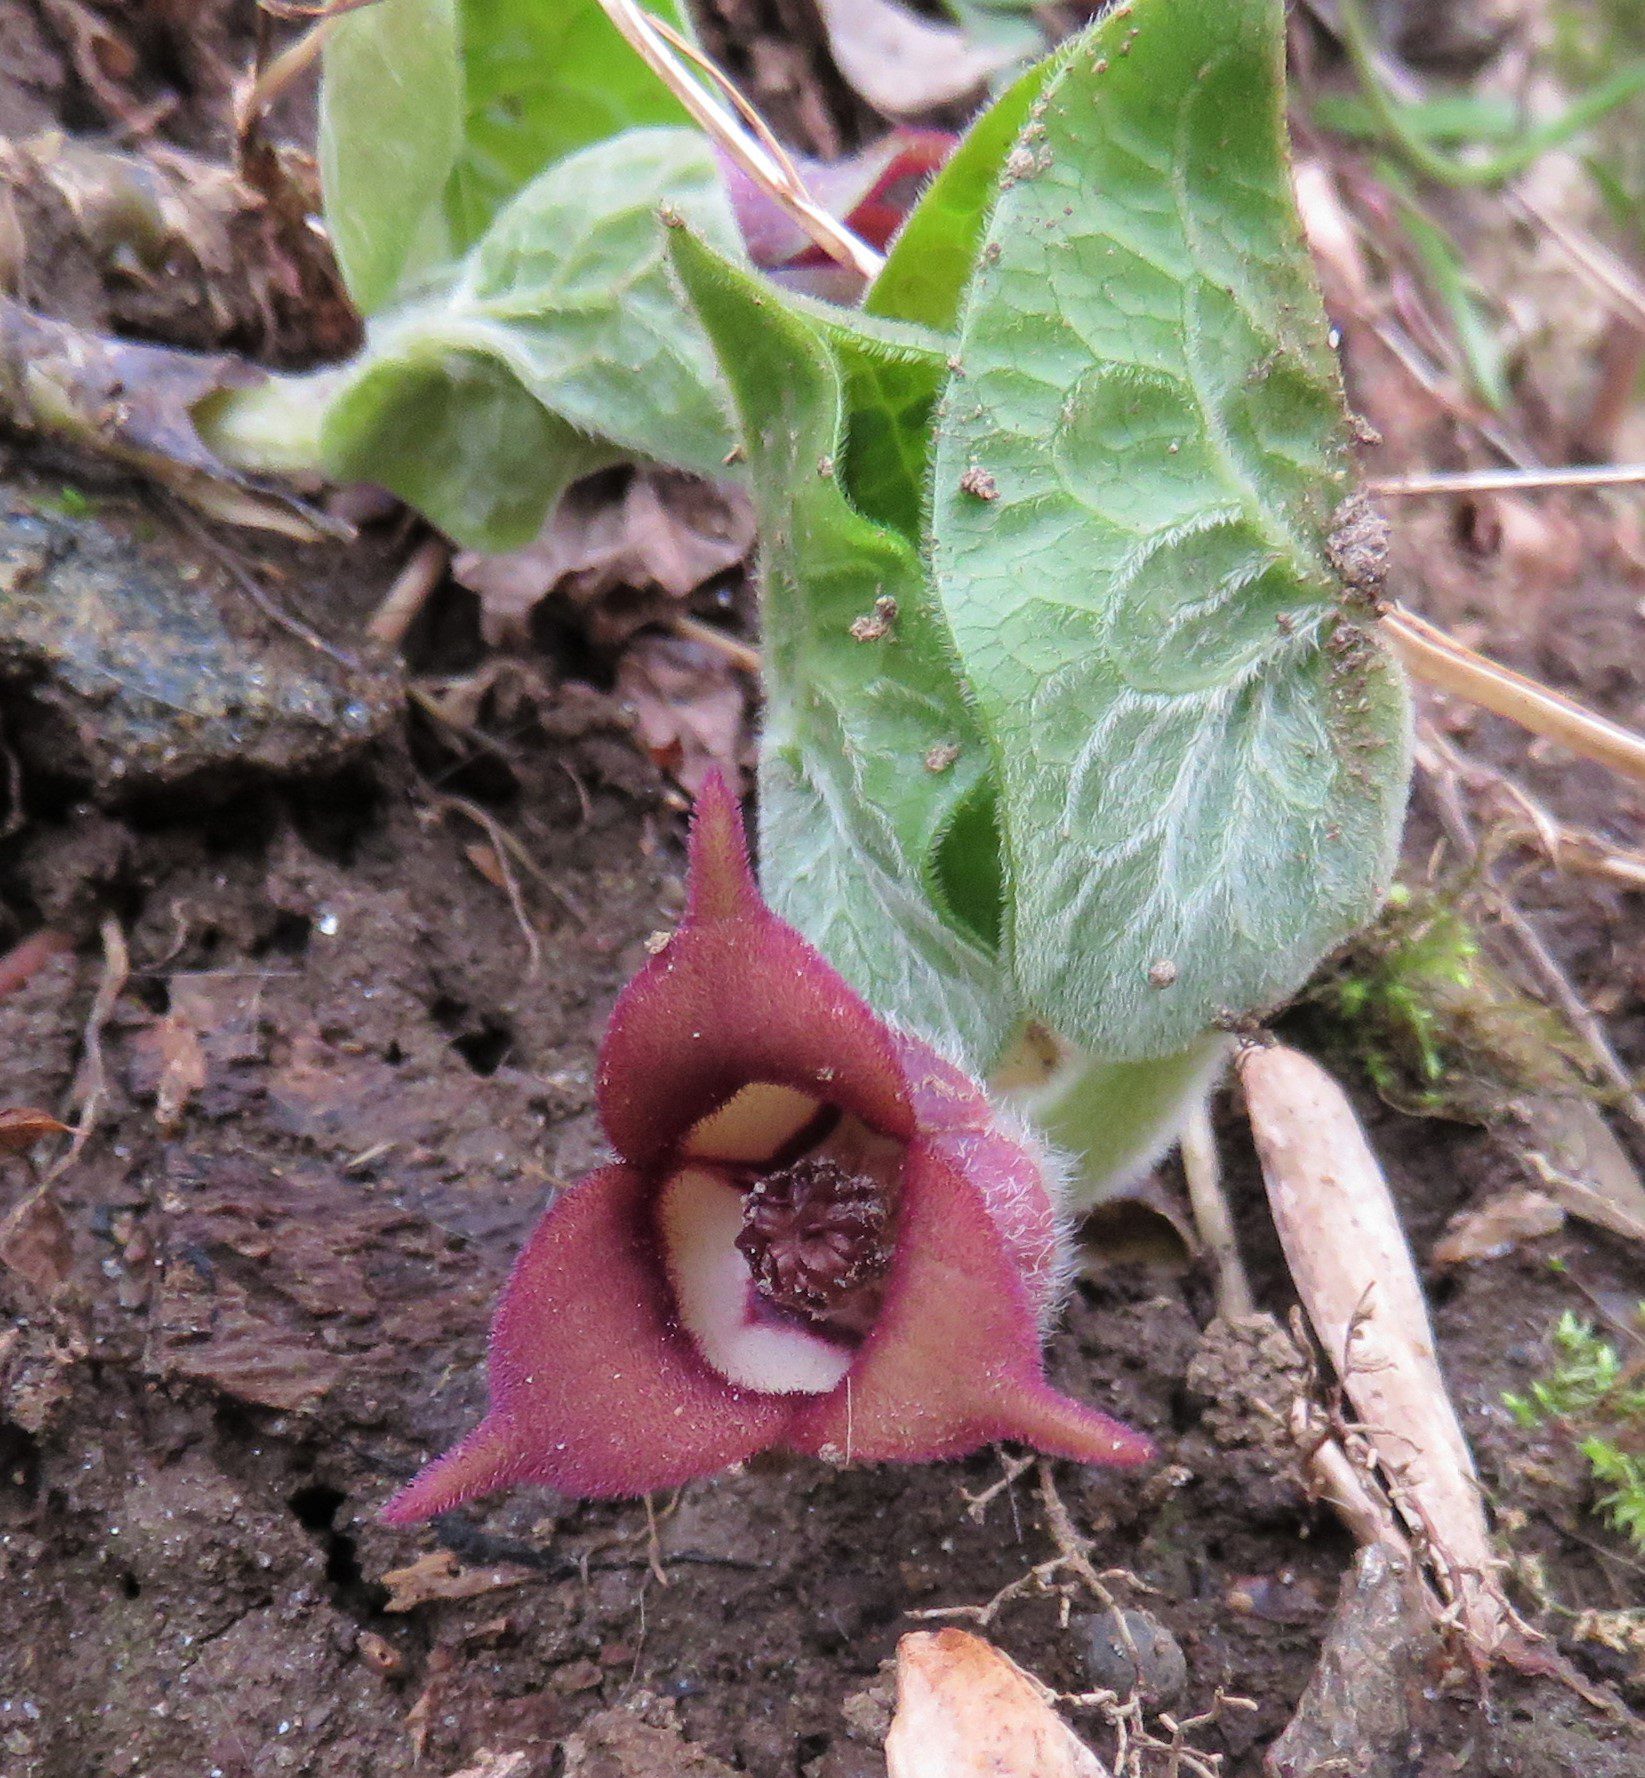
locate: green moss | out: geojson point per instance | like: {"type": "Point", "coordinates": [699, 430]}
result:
{"type": "Point", "coordinates": [1417, 1004]}
{"type": "Point", "coordinates": [68, 502]}
{"type": "Point", "coordinates": [1598, 1400]}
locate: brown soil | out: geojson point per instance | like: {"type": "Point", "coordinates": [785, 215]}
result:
{"type": "Point", "coordinates": [241, 1319]}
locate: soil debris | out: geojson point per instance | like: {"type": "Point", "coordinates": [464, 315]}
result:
{"type": "Point", "coordinates": [623, 549]}
{"type": "Point", "coordinates": [641, 1740]}
{"type": "Point", "coordinates": [439, 1575]}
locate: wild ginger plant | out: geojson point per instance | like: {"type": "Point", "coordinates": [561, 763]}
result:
{"type": "Point", "coordinates": [1081, 743]}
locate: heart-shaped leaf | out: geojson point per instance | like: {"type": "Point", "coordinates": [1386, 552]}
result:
{"type": "Point", "coordinates": [1201, 742]}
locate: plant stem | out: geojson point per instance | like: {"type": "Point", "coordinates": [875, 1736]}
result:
{"type": "Point", "coordinates": [1115, 1118]}
{"type": "Point", "coordinates": [271, 427]}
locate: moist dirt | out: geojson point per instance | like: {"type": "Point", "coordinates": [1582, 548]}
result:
{"type": "Point", "coordinates": [352, 1061]}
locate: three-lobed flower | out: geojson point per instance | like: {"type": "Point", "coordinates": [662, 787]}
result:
{"type": "Point", "coordinates": [818, 1236]}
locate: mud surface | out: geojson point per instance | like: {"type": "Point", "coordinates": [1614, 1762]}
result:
{"type": "Point", "coordinates": [340, 1084]}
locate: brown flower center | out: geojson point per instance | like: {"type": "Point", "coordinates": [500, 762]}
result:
{"type": "Point", "coordinates": [817, 1238]}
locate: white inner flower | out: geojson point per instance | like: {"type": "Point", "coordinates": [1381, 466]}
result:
{"type": "Point", "coordinates": [735, 1329]}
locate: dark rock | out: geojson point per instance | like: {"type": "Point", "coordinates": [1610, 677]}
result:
{"type": "Point", "coordinates": [132, 662]}
{"type": "Point", "coordinates": [1361, 1711]}
{"type": "Point", "coordinates": [1127, 1651]}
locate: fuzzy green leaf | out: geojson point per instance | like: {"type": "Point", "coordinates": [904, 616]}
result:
{"type": "Point", "coordinates": [391, 124]}
{"type": "Point", "coordinates": [541, 79]}
{"type": "Point", "coordinates": [459, 438]}
{"type": "Point", "coordinates": [1202, 744]}
{"type": "Point", "coordinates": [929, 265]}
{"type": "Point", "coordinates": [568, 306]}
{"type": "Point", "coordinates": [853, 799]}
{"type": "Point", "coordinates": [893, 372]}
{"type": "Point", "coordinates": [435, 114]}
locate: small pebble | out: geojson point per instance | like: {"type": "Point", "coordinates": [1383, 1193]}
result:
{"type": "Point", "coordinates": [1158, 1669]}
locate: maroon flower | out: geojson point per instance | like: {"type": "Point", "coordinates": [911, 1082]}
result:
{"type": "Point", "coordinates": [819, 1236]}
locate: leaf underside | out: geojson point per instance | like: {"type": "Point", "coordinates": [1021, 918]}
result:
{"type": "Point", "coordinates": [1202, 748]}
{"type": "Point", "coordinates": [562, 345]}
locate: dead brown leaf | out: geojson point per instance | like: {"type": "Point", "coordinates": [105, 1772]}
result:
{"type": "Point", "coordinates": [964, 1710]}
{"type": "Point", "coordinates": [439, 1575]}
{"type": "Point", "coordinates": [198, 1046]}
{"type": "Point", "coordinates": [135, 404]}
{"type": "Point", "coordinates": [20, 1130]}
{"type": "Point", "coordinates": [691, 708]}
{"type": "Point", "coordinates": [1579, 1162]}
{"type": "Point", "coordinates": [904, 64]}
{"type": "Point", "coordinates": [623, 548]}
{"type": "Point", "coordinates": [1497, 1227]}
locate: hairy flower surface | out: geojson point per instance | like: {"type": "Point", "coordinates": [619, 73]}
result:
{"type": "Point", "coordinates": [818, 1236]}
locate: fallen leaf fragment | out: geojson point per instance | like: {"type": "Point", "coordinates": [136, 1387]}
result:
{"type": "Point", "coordinates": [965, 1710]}
{"type": "Point", "coordinates": [624, 548]}
{"type": "Point", "coordinates": [1356, 1714]}
{"type": "Point", "coordinates": [690, 708]}
{"type": "Point", "coordinates": [439, 1575]}
{"type": "Point", "coordinates": [26, 959]}
{"type": "Point", "coordinates": [1352, 1267]}
{"type": "Point", "coordinates": [172, 1048]}
{"type": "Point", "coordinates": [20, 1130]}
{"type": "Point", "coordinates": [135, 404]}
{"type": "Point", "coordinates": [1497, 1227]}
{"type": "Point", "coordinates": [901, 63]}
{"type": "Point", "coordinates": [1581, 1165]}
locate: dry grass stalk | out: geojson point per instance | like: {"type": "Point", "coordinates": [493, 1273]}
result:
{"type": "Point", "coordinates": [1213, 1219]}
{"type": "Point", "coordinates": [1431, 655]}
{"type": "Point", "coordinates": [737, 129]}
{"type": "Point", "coordinates": [1511, 481]}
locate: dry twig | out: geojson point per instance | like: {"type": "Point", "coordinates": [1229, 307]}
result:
{"type": "Point", "coordinates": [422, 572]}
{"type": "Point", "coordinates": [1440, 768]}
{"type": "Point", "coordinates": [93, 1084]}
{"type": "Point", "coordinates": [503, 844]}
{"type": "Point", "coordinates": [1441, 660]}
{"type": "Point", "coordinates": [739, 131]}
